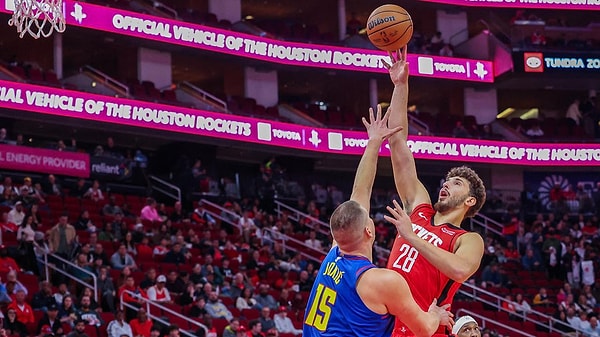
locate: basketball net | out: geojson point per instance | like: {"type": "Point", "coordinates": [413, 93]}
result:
{"type": "Point", "coordinates": [39, 18]}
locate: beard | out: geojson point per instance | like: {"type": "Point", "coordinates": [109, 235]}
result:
{"type": "Point", "coordinates": [450, 203]}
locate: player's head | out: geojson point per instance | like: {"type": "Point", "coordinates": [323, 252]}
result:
{"type": "Point", "coordinates": [462, 187]}
{"type": "Point", "coordinates": [466, 326]}
{"type": "Point", "coordinates": [351, 225]}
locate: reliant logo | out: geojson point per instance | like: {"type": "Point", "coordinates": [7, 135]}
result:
{"type": "Point", "coordinates": [533, 62]}
{"type": "Point", "coordinates": [105, 169]}
{"type": "Point", "coordinates": [376, 22]}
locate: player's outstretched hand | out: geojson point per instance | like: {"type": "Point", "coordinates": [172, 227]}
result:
{"type": "Point", "coordinates": [398, 66]}
{"type": "Point", "coordinates": [399, 219]}
{"type": "Point", "coordinates": [446, 317]}
{"type": "Point", "coordinates": [377, 127]}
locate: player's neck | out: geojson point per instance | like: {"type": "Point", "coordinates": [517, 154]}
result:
{"type": "Point", "coordinates": [368, 253]}
{"type": "Point", "coordinates": [454, 217]}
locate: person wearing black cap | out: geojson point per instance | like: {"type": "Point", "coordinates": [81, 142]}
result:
{"type": "Point", "coordinates": [51, 321]}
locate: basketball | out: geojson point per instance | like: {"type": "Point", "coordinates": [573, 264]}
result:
{"type": "Point", "coordinates": [389, 27]}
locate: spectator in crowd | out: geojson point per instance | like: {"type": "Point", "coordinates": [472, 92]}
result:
{"type": "Point", "coordinates": [51, 186]}
{"type": "Point", "coordinates": [233, 328]}
{"type": "Point", "coordinates": [67, 312]}
{"type": "Point", "coordinates": [200, 216]}
{"type": "Point", "coordinates": [538, 39]}
{"type": "Point", "coordinates": [132, 295]}
{"type": "Point", "coordinates": [43, 299]}
{"type": "Point", "coordinates": [284, 324]}
{"type": "Point", "coordinates": [312, 241]}
{"type": "Point", "coordinates": [106, 288]}
{"type": "Point", "coordinates": [121, 259]}
{"type": "Point", "coordinates": [238, 284]}
{"type": "Point", "coordinates": [178, 214]}
{"type": "Point", "coordinates": [447, 50]}
{"type": "Point", "coordinates": [50, 321]}
{"type": "Point", "coordinates": [87, 314]}
{"type": "Point", "coordinates": [264, 299]}
{"type": "Point", "coordinates": [245, 301]}
{"type": "Point", "coordinates": [61, 237]}
{"type": "Point", "coordinates": [141, 326]}
{"type": "Point", "coordinates": [13, 285]}
{"type": "Point", "coordinates": [26, 237]}
{"type": "Point", "coordinates": [581, 322]}
{"type": "Point", "coordinates": [12, 324]}
{"type": "Point", "coordinates": [111, 207]}
{"type": "Point", "coordinates": [149, 280]}
{"type": "Point", "coordinates": [94, 192]}
{"type": "Point", "coordinates": [84, 223]}
{"type": "Point", "coordinates": [198, 310]}
{"type": "Point", "coordinates": [7, 188]}
{"type": "Point", "coordinates": [531, 261]}
{"type": "Point", "coordinates": [216, 309]}
{"type": "Point", "coordinates": [594, 329]}
{"type": "Point", "coordinates": [23, 309]}
{"type": "Point", "coordinates": [175, 255]}
{"type": "Point", "coordinates": [535, 131]}
{"type": "Point", "coordinates": [573, 113]}
{"type": "Point", "coordinates": [492, 276]}
{"type": "Point", "coordinates": [158, 292]}
{"type": "Point", "coordinates": [460, 131]}
{"type": "Point", "coordinates": [255, 329]}
{"type": "Point", "coordinates": [175, 283]}
{"type": "Point", "coordinates": [119, 327]}
{"type": "Point", "coordinates": [266, 322]}
{"type": "Point", "coordinates": [150, 213]}
{"type": "Point", "coordinates": [16, 214]}
{"type": "Point", "coordinates": [522, 308]}
{"type": "Point", "coordinates": [79, 330]}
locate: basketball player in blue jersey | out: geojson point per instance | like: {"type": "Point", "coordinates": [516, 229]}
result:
{"type": "Point", "coordinates": [350, 296]}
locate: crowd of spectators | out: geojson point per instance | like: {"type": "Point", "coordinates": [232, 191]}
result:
{"type": "Point", "coordinates": [200, 264]}
{"type": "Point", "coordinates": [548, 264]}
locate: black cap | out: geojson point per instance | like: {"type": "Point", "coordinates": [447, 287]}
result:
{"type": "Point", "coordinates": [53, 306]}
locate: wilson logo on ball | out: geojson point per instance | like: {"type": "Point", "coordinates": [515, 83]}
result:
{"type": "Point", "coordinates": [378, 21]}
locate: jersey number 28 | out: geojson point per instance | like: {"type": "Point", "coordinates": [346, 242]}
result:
{"type": "Point", "coordinates": [409, 254]}
{"type": "Point", "coordinates": [323, 301]}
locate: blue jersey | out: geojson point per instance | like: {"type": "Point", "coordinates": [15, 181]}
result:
{"type": "Point", "coordinates": [334, 307]}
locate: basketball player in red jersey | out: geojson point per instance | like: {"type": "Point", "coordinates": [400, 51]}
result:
{"type": "Point", "coordinates": [434, 255]}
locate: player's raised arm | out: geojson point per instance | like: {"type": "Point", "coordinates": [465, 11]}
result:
{"type": "Point", "coordinates": [378, 131]}
{"type": "Point", "coordinates": [411, 190]}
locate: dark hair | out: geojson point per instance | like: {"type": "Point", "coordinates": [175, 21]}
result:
{"type": "Point", "coordinates": [253, 323]}
{"type": "Point", "coordinates": [476, 186]}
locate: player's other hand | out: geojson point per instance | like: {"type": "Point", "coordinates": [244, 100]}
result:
{"type": "Point", "coordinates": [398, 67]}
{"type": "Point", "coordinates": [399, 219]}
{"type": "Point", "coordinates": [445, 316]}
{"type": "Point", "coordinates": [377, 126]}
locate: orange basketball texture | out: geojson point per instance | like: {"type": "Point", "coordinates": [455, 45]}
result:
{"type": "Point", "coordinates": [389, 27]}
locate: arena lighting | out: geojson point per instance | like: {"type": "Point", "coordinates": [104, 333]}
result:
{"type": "Point", "coordinates": [249, 17]}
{"type": "Point", "coordinates": [505, 113]}
{"type": "Point", "coordinates": [531, 113]}
{"type": "Point", "coordinates": [93, 84]}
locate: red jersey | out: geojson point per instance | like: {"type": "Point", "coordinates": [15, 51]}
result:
{"type": "Point", "coordinates": [426, 282]}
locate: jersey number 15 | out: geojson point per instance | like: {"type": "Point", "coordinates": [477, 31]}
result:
{"type": "Point", "coordinates": [323, 301]}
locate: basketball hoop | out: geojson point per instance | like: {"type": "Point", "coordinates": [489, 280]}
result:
{"type": "Point", "coordinates": [38, 17]}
